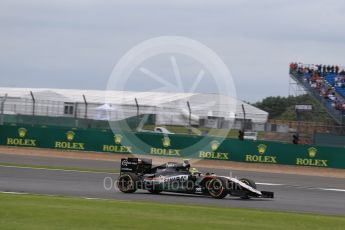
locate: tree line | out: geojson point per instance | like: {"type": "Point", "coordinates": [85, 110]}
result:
{"type": "Point", "coordinates": [283, 108]}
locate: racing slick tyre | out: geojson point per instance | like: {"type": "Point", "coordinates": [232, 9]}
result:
{"type": "Point", "coordinates": [218, 187]}
{"type": "Point", "coordinates": [249, 182]}
{"type": "Point", "coordinates": [127, 183]}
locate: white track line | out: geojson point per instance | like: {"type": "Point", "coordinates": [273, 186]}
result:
{"type": "Point", "coordinates": [24, 193]}
{"type": "Point", "coordinates": [14, 193]}
{"type": "Point", "coordinates": [323, 189]}
{"type": "Point", "coordinates": [62, 170]}
{"type": "Point", "coordinates": [93, 198]}
{"type": "Point", "coordinates": [331, 189]}
{"type": "Point", "coordinates": [270, 184]}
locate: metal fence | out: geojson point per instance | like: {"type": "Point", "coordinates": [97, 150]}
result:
{"type": "Point", "coordinates": [17, 110]}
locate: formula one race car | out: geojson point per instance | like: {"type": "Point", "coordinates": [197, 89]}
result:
{"type": "Point", "coordinates": [181, 178]}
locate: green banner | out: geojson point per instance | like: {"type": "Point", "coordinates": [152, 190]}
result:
{"type": "Point", "coordinates": [184, 146]}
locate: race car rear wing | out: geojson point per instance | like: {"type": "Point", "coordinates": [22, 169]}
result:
{"type": "Point", "coordinates": [135, 165]}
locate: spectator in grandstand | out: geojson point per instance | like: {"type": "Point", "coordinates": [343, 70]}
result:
{"type": "Point", "coordinates": [339, 81]}
{"type": "Point", "coordinates": [340, 105]}
{"type": "Point", "coordinates": [342, 72]}
{"type": "Point", "coordinates": [337, 104]}
{"type": "Point", "coordinates": [316, 74]}
{"type": "Point", "coordinates": [293, 67]}
{"type": "Point", "coordinates": [331, 96]}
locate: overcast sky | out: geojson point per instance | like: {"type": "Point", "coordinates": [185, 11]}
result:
{"type": "Point", "coordinates": [76, 43]}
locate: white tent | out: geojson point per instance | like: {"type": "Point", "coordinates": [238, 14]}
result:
{"type": "Point", "coordinates": [169, 108]}
{"type": "Point", "coordinates": [103, 112]}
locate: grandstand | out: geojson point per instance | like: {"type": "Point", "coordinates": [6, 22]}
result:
{"type": "Point", "coordinates": [207, 110]}
{"type": "Point", "coordinates": [325, 84]}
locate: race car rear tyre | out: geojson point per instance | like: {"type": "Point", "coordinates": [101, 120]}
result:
{"type": "Point", "coordinates": [218, 187]}
{"type": "Point", "coordinates": [249, 182]}
{"type": "Point", "coordinates": [127, 183]}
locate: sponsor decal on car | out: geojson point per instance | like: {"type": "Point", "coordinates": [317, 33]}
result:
{"type": "Point", "coordinates": [127, 163]}
{"type": "Point", "coordinates": [180, 178]}
{"type": "Point", "coordinates": [128, 166]}
{"type": "Point", "coordinates": [170, 164]}
{"type": "Point", "coordinates": [124, 163]}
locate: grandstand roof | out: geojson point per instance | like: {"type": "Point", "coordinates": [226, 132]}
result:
{"type": "Point", "coordinates": [198, 101]}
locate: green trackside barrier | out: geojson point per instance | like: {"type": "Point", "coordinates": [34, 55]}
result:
{"type": "Point", "coordinates": [184, 146]}
{"type": "Point", "coordinates": [327, 139]}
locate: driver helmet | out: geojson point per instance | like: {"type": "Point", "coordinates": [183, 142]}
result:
{"type": "Point", "coordinates": [194, 171]}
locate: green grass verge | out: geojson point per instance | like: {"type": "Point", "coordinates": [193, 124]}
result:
{"type": "Point", "coordinates": [59, 168]}
{"type": "Point", "coordinates": [48, 212]}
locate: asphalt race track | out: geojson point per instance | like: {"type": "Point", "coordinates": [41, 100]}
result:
{"type": "Point", "coordinates": [292, 192]}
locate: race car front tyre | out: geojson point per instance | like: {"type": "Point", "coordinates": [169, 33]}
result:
{"type": "Point", "coordinates": [127, 183]}
{"type": "Point", "coordinates": [249, 182]}
{"type": "Point", "coordinates": [218, 187]}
